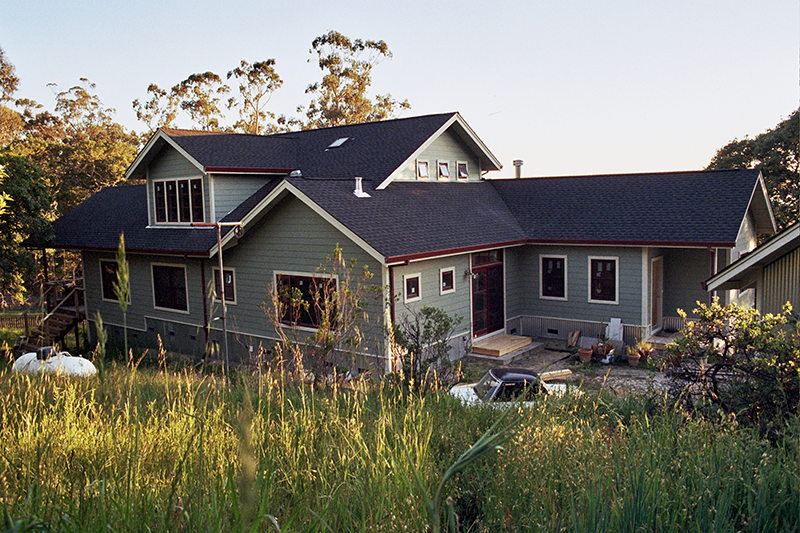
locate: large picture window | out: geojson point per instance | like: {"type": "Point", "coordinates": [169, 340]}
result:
{"type": "Point", "coordinates": [303, 298]}
{"type": "Point", "coordinates": [178, 200]}
{"type": "Point", "coordinates": [603, 279]}
{"type": "Point", "coordinates": [108, 276]}
{"type": "Point", "coordinates": [553, 279]}
{"type": "Point", "coordinates": [169, 287]}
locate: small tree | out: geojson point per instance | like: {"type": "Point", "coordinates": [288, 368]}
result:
{"type": "Point", "coordinates": [743, 362]}
{"type": "Point", "coordinates": [122, 288]}
{"type": "Point", "coordinates": [338, 301]}
{"type": "Point", "coordinates": [425, 335]}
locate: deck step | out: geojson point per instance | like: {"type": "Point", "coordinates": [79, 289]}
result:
{"type": "Point", "coordinates": [501, 345]}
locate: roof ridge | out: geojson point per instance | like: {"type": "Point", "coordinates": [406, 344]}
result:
{"type": "Point", "coordinates": [625, 174]}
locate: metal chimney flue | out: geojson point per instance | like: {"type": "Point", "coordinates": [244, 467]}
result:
{"type": "Point", "coordinates": [359, 190]}
{"type": "Point", "coordinates": [517, 168]}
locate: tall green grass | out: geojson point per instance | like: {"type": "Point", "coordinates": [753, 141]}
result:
{"type": "Point", "coordinates": [145, 450]}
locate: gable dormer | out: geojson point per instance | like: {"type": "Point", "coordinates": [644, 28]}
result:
{"type": "Point", "coordinates": [177, 191]}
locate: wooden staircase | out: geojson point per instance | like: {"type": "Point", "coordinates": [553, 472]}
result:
{"type": "Point", "coordinates": [66, 310]}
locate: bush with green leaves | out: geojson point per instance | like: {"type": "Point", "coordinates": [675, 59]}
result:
{"type": "Point", "coordinates": [425, 337]}
{"type": "Point", "coordinates": [734, 358]}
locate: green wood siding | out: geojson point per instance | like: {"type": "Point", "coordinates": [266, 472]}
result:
{"type": "Point", "coordinates": [523, 278]}
{"type": "Point", "coordinates": [230, 190]}
{"type": "Point", "coordinates": [446, 147]}
{"type": "Point", "coordinates": [291, 239]}
{"type": "Point", "coordinates": [454, 303]}
{"type": "Point", "coordinates": [684, 271]}
{"type": "Point", "coordinates": [180, 332]}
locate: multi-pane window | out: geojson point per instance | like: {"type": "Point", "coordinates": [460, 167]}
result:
{"type": "Point", "coordinates": [411, 288]}
{"type": "Point", "coordinates": [230, 285]}
{"type": "Point", "coordinates": [304, 298]}
{"type": "Point", "coordinates": [603, 279]}
{"type": "Point", "coordinates": [108, 276]}
{"type": "Point", "coordinates": [553, 277]}
{"type": "Point", "coordinates": [169, 287]}
{"type": "Point", "coordinates": [178, 200]}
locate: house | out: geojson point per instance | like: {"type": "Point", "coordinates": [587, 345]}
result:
{"type": "Point", "coordinates": [410, 200]}
{"type": "Point", "coordinates": [767, 277]}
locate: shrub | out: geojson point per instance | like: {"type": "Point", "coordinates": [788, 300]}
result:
{"type": "Point", "coordinates": [743, 362]}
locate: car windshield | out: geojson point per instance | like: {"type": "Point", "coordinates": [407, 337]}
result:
{"type": "Point", "coordinates": [485, 388]}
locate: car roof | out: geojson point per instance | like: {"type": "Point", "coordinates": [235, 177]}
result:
{"type": "Point", "coordinates": [514, 374]}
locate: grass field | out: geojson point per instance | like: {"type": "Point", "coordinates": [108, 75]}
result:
{"type": "Point", "coordinates": [157, 450]}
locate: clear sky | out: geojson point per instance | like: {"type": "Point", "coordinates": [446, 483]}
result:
{"type": "Point", "coordinates": [569, 86]}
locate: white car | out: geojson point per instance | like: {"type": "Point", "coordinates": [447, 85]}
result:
{"type": "Point", "coordinates": [47, 360]}
{"type": "Point", "coordinates": [507, 384]}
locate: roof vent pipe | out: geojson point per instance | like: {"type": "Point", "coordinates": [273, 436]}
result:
{"type": "Point", "coordinates": [518, 168]}
{"type": "Point", "coordinates": [359, 190]}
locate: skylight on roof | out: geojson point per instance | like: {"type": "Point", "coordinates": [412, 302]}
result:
{"type": "Point", "coordinates": [337, 143]}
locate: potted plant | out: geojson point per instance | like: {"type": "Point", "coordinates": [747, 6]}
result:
{"type": "Point", "coordinates": [644, 348]}
{"type": "Point", "coordinates": [633, 356]}
{"type": "Point", "coordinates": [585, 354]}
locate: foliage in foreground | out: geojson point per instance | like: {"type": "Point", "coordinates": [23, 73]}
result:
{"type": "Point", "coordinates": [142, 450]}
{"type": "Point", "coordinates": [741, 362]}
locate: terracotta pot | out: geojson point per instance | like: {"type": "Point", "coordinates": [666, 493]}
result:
{"type": "Point", "coordinates": [633, 360]}
{"type": "Point", "coordinates": [585, 354]}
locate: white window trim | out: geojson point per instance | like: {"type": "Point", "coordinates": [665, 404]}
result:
{"type": "Point", "coordinates": [416, 170]}
{"type": "Point", "coordinates": [616, 278]}
{"type": "Point", "coordinates": [214, 270]}
{"type": "Point", "coordinates": [155, 206]}
{"type": "Point", "coordinates": [438, 173]}
{"type": "Point", "coordinates": [442, 291]}
{"type": "Point", "coordinates": [185, 283]}
{"type": "Point", "coordinates": [102, 296]}
{"type": "Point", "coordinates": [276, 273]}
{"type": "Point", "coordinates": [566, 278]}
{"type": "Point", "coordinates": [458, 176]}
{"type": "Point", "coordinates": [418, 297]}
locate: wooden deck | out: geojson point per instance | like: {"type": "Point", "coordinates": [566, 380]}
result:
{"type": "Point", "coordinates": [501, 345]}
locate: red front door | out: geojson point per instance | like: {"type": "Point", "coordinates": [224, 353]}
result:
{"type": "Point", "coordinates": [487, 292]}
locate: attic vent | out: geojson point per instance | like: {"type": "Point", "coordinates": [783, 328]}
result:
{"type": "Point", "coordinates": [337, 143]}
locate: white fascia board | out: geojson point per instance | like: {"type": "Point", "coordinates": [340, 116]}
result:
{"type": "Point", "coordinates": [456, 118]}
{"type": "Point", "coordinates": [277, 193]}
{"type": "Point", "coordinates": [149, 146]}
{"type": "Point", "coordinates": [763, 253]}
{"type": "Point", "coordinates": [762, 186]}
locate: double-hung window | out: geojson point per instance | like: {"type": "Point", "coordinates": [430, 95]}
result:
{"type": "Point", "coordinates": [179, 200]}
{"type": "Point", "coordinates": [604, 280]}
{"type": "Point", "coordinates": [169, 287]}
{"type": "Point", "coordinates": [553, 277]}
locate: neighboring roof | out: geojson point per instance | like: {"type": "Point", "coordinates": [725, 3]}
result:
{"type": "Point", "coordinates": [695, 208]}
{"type": "Point", "coordinates": [373, 150]}
{"type": "Point", "coordinates": [743, 269]}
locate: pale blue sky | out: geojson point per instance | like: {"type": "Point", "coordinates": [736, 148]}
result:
{"type": "Point", "coordinates": [569, 86]}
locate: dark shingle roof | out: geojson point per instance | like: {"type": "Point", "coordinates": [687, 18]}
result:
{"type": "Point", "coordinates": [373, 150]}
{"type": "Point", "coordinates": [409, 218]}
{"type": "Point", "coordinates": [97, 223]}
{"type": "Point", "coordinates": [684, 208]}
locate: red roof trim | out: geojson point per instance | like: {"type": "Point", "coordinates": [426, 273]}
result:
{"type": "Point", "coordinates": [249, 170]}
{"type": "Point", "coordinates": [465, 249]}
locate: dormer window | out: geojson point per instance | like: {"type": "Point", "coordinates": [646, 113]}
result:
{"type": "Point", "coordinates": [178, 200]}
{"type": "Point", "coordinates": [462, 171]}
{"type": "Point", "coordinates": [444, 170]}
{"type": "Point", "coordinates": [423, 172]}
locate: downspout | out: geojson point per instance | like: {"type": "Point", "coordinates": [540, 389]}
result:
{"type": "Point", "coordinates": [205, 305]}
{"type": "Point", "coordinates": [391, 293]}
